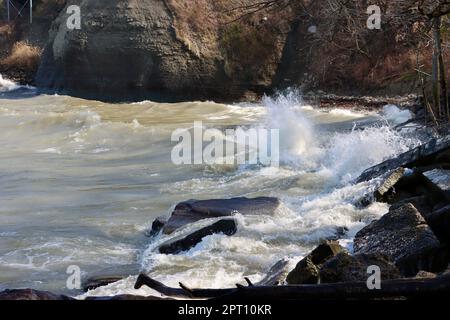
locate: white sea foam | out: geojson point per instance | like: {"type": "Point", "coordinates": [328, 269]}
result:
{"type": "Point", "coordinates": [7, 85]}
{"type": "Point", "coordinates": [396, 115]}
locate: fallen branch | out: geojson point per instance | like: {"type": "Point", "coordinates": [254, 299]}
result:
{"type": "Point", "coordinates": [182, 292]}
{"type": "Point", "coordinates": [408, 288]}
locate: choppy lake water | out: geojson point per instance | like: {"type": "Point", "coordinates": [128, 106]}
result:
{"type": "Point", "coordinates": [81, 181]}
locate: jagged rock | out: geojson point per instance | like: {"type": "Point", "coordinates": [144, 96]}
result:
{"type": "Point", "coordinates": [426, 154]}
{"type": "Point", "coordinates": [439, 181]}
{"type": "Point", "coordinates": [276, 275]}
{"type": "Point", "coordinates": [195, 210]}
{"type": "Point", "coordinates": [30, 294]}
{"type": "Point", "coordinates": [384, 187]}
{"type": "Point", "coordinates": [404, 236]}
{"type": "Point", "coordinates": [226, 226]}
{"type": "Point", "coordinates": [347, 268]}
{"type": "Point", "coordinates": [307, 270]}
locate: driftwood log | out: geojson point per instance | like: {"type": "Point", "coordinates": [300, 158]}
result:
{"type": "Point", "coordinates": [408, 288]}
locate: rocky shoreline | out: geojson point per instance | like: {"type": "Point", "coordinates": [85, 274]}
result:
{"type": "Point", "coordinates": [410, 244]}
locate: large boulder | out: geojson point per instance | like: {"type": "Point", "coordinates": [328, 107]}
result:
{"type": "Point", "coordinates": [30, 294]}
{"type": "Point", "coordinates": [307, 270]}
{"type": "Point", "coordinates": [195, 210]}
{"type": "Point", "coordinates": [225, 226]}
{"type": "Point", "coordinates": [433, 153]}
{"type": "Point", "coordinates": [404, 236]}
{"type": "Point", "coordinates": [347, 268]}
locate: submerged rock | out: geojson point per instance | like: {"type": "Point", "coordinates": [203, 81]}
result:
{"type": "Point", "coordinates": [226, 226]}
{"type": "Point", "coordinates": [307, 270]}
{"type": "Point", "coordinates": [347, 268]}
{"type": "Point", "coordinates": [432, 153]}
{"type": "Point", "coordinates": [100, 281]}
{"type": "Point", "coordinates": [30, 294]}
{"type": "Point", "coordinates": [195, 210]}
{"type": "Point", "coordinates": [404, 236]}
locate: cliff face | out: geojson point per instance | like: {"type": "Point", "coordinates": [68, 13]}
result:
{"type": "Point", "coordinates": [124, 47]}
{"type": "Point", "coordinates": [206, 49]}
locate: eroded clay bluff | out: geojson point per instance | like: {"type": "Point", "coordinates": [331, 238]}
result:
{"type": "Point", "coordinates": [130, 48]}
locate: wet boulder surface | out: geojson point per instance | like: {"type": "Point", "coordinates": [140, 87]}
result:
{"type": "Point", "coordinates": [404, 236]}
{"type": "Point", "coordinates": [194, 210]}
{"type": "Point", "coordinates": [353, 268]}
{"type": "Point", "coordinates": [307, 271]}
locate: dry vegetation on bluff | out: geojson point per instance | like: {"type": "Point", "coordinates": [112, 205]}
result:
{"type": "Point", "coordinates": [273, 47]}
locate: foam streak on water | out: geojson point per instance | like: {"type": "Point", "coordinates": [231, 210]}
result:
{"type": "Point", "coordinates": [81, 182]}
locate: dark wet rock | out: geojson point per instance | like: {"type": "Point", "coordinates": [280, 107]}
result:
{"type": "Point", "coordinates": [439, 222]}
{"type": "Point", "coordinates": [439, 181]}
{"type": "Point", "coordinates": [195, 210]}
{"type": "Point", "coordinates": [126, 297]}
{"type": "Point", "coordinates": [157, 225]}
{"type": "Point", "coordinates": [424, 155]}
{"type": "Point", "coordinates": [422, 203]}
{"type": "Point", "coordinates": [276, 275]}
{"type": "Point", "coordinates": [100, 281]}
{"type": "Point", "coordinates": [411, 185]}
{"type": "Point", "coordinates": [307, 270]}
{"type": "Point", "coordinates": [30, 294]}
{"type": "Point", "coordinates": [225, 226]}
{"type": "Point", "coordinates": [404, 236]}
{"type": "Point", "coordinates": [347, 268]}
{"type": "Point", "coordinates": [384, 188]}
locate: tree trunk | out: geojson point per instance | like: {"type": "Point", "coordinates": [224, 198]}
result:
{"type": "Point", "coordinates": [409, 288]}
{"type": "Point", "coordinates": [443, 80]}
{"type": "Point", "coordinates": [436, 23]}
